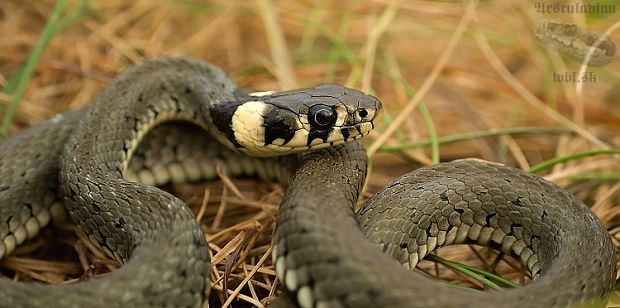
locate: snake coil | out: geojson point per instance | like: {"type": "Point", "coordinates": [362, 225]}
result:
{"type": "Point", "coordinates": [319, 252]}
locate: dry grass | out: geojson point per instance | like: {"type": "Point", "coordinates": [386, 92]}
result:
{"type": "Point", "coordinates": [475, 69]}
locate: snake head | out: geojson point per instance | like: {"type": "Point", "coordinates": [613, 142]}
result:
{"type": "Point", "coordinates": [279, 123]}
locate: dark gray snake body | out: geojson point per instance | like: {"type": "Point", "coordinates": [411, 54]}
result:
{"type": "Point", "coordinates": [319, 252]}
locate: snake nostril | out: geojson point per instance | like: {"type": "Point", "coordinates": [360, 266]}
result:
{"type": "Point", "coordinates": [363, 113]}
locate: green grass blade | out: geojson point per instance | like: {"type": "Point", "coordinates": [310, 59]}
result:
{"type": "Point", "coordinates": [596, 176]}
{"type": "Point", "coordinates": [432, 132]}
{"type": "Point", "coordinates": [374, 36]}
{"type": "Point", "coordinates": [475, 135]}
{"type": "Point", "coordinates": [428, 120]}
{"type": "Point", "coordinates": [18, 82]}
{"type": "Point", "coordinates": [311, 30]}
{"type": "Point", "coordinates": [339, 49]}
{"type": "Point", "coordinates": [393, 66]}
{"type": "Point", "coordinates": [562, 159]}
{"type": "Point", "coordinates": [472, 272]}
{"type": "Point", "coordinates": [502, 151]}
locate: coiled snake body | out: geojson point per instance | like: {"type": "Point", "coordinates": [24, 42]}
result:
{"type": "Point", "coordinates": [319, 252]}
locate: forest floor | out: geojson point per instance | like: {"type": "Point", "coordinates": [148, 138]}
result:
{"type": "Point", "coordinates": [456, 79]}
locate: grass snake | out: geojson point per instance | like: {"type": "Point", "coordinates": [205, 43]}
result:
{"type": "Point", "coordinates": [324, 253]}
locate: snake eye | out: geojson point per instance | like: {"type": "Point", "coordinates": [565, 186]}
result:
{"type": "Point", "coordinates": [321, 117]}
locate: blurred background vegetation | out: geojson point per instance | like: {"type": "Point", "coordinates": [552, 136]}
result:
{"type": "Point", "coordinates": [458, 79]}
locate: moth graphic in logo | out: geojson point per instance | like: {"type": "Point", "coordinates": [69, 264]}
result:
{"type": "Point", "coordinates": [575, 42]}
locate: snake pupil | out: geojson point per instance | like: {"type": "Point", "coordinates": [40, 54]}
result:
{"type": "Point", "coordinates": [321, 117]}
{"type": "Point", "coordinates": [363, 113]}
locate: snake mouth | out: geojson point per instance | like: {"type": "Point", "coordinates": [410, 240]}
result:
{"type": "Point", "coordinates": [308, 139]}
{"type": "Point", "coordinates": [351, 138]}
{"type": "Point", "coordinates": [337, 135]}
{"type": "Point", "coordinates": [357, 130]}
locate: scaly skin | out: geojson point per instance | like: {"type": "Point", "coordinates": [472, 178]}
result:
{"type": "Point", "coordinates": [325, 260]}
{"type": "Point", "coordinates": [320, 253]}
